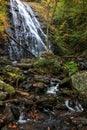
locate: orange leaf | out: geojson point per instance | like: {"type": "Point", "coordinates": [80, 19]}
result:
{"type": "Point", "coordinates": [1, 120]}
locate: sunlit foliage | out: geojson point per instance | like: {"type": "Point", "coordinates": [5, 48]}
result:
{"type": "Point", "coordinates": [71, 21]}
{"type": "Point", "coordinates": [3, 16]}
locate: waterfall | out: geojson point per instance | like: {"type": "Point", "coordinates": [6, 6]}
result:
{"type": "Point", "coordinates": [27, 31]}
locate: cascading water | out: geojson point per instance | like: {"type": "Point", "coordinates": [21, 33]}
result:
{"type": "Point", "coordinates": [27, 32]}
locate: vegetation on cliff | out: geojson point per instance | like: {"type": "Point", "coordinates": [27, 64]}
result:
{"type": "Point", "coordinates": [3, 18]}
{"type": "Point", "coordinates": [68, 28]}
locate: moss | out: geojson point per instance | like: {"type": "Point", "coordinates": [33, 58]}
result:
{"type": "Point", "coordinates": [11, 69]}
{"type": "Point", "coordinates": [3, 95]}
{"type": "Point", "coordinates": [14, 76]}
{"type": "Point", "coordinates": [79, 82]}
{"type": "Point", "coordinates": [7, 88]}
{"type": "Point", "coordinates": [47, 65]}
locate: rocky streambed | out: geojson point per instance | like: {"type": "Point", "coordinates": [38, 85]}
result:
{"type": "Point", "coordinates": [31, 99]}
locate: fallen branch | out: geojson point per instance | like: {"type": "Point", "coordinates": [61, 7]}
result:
{"type": "Point", "coordinates": [23, 65]}
{"type": "Point", "coordinates": [11, 100]}
{"type": "Point", "coordinates": [22, 93]}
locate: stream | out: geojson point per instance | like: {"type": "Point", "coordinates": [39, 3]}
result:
{"type": "Point", "coordinates": [45, 108]}
{"type": "Point", "coordinates": [48, 111]}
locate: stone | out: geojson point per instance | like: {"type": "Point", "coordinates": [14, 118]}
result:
{"type": "Point", "coordinates": [7, 88]}
{"type": "Point", "coordinates": [79, 82]}
{"type": "Point", "coordinates": [8, 112]}
{"type": "Point", "coordinates": [65, 82]}
{"type": "Point", "coordinates": [80, 120]}
{"type": "Point", "coordinates": [4, 128]}
{"type": "Point", "coordinates": [3, 95]}
{"type": "Point", "coordinates": [12, 69]}
{"type": "Point", "coordinates": [38, 85]}
{"type": "Point", "coordinates": [1, 103]}
{"type": "Point", "coordinates": [41, 78]}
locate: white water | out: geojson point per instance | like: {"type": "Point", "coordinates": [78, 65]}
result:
{"type": "Point", "coordinates": [27, 31]}
{"type": "Point", "coordinates": [21, 120]}
{"type": "Point", "coordinates": [53, 89]}
{"type": "Point", "coordinates": [74, 108]}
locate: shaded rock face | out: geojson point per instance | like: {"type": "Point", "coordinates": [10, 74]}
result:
{"type": "Point", "coordinates": [79, 82]}
{"type": "Point", "coordinates": [3, 46]}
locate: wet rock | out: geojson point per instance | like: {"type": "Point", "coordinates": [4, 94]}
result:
{"type": "Point", "coordinates": [79, 82]}
{"type": "Point", "coordinates": [27, 60]}
{"type": "Point", "coordinates": [41, 78]}
{"type": "Point", "coordinates": [48, 100]}
{"type": "Point", "coordinates": [4, 128]}
{"type": "Point", "coordinates": [80, 120]}
{"type": "Point", "coordinates": [1, 103]}
{"type": "Point", "coordinates": [66, 93]}
{"type": "Point", "coordinates": [10, 68]}
{"type": "Point", "coordinates": [65, 82]}
{"type": "Point", "coordinates": [8, 113]}
{"type": "Point", "coordinates": [15, 111]}
{"type": "Point", "coordinates": [3, 95]}
{"type": "Point", "coordinates": [83, 66]}
{"type": "Point", "coordinates": [11, 74]}
{"type": "Point", "coordinates": [47, 65]}
{"type": "Point", "coordinates": [7, 88]}
{"type": "Point", "coordinates": [24, 65]}
{"type": "Point", "coordinates": [4, 61]}
{"type": "Point", "coordinates": [56, 80]}
{"type": "Point", "coordinates": [38, 85]}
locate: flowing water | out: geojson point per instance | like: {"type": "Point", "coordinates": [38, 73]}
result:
{"type": "Point", "coordinates": [27, 31]}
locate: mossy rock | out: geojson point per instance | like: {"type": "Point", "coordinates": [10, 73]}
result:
{"type": "Point", "coordinates": [7, 88]}
{"type": "Point", "coordinates": [47, 64]}
{"type": "Point", "coordinates": [11, 74]}
{"type": "Point", "coordinates": [48, 100]}
{"type": "Point", "coordinates": [12, 69]}
{"type": "Point", "coordinates": [3, 95]}
{"type": "Point", "coordinates": [79, 82]}
{"type": "Point", "coordinates": [4, 61]}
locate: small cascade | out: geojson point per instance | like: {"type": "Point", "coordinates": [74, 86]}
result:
{"type": "Point", "coordinates": [76, 107]}
{"type": "Point", "coordinates": [53, 89]}
{"type": "Point", "coordinates": [54, 86]}
{"type": "Point", "coordinates": [27, 32]}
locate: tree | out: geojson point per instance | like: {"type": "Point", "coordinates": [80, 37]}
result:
{"type": "Point", "coordinates": [51, 6]}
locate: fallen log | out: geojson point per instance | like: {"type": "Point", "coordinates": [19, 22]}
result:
{"type": "Point", "coordinates": [23, 65]}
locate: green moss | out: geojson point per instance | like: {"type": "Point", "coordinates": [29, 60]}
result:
{"type": "Point", "coordinates": [71, 66]}
{"type": "Point", "coordinates": [3, 95]}
{"type": "Point", "coordinates": [7, 88]}
{"type": "Point", "coordinates": [47, 65]}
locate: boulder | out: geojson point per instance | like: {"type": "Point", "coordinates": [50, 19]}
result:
{"type": "Point", "coordinates": [79, 82]}
{"type": "Point", "coordinates": [7, 88]}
